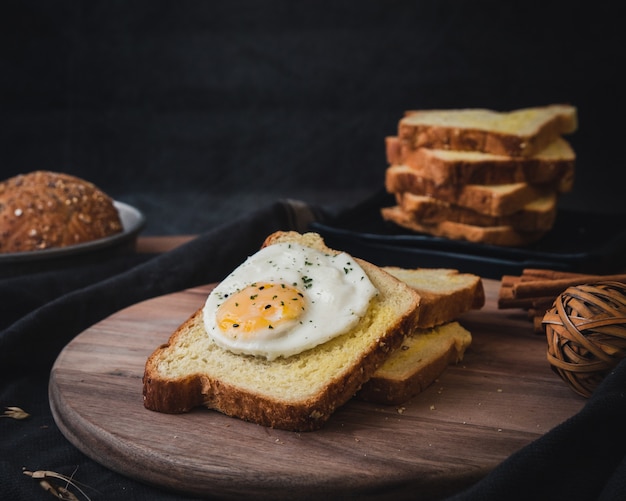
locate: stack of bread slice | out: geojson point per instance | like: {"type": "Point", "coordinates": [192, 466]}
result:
{"type": "Point", "coordinates": [481, 175]}
{"type": "Point", "coordinates": [437, 339]}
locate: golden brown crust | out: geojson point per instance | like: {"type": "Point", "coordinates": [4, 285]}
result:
{"type": "Point", "coordinates": [551, 169]}
{"type": "Point", "coordinates": [445, 293]}
{"type": "Point", "coordinates": [538, 215]}
{"type": "Point", "coordinates": [423, 357]}
{"type": "Point", "coordinates": [469, 138]}
{"type": "Point", "coordinates": [487, 200]}
{"type": "Point", "coordinates": [172, 396]}
{"type": "Point", "coordinates": [397, 391]}
{"type": "Point", "coordinates": [44, 209]}
{"type": "Point", "coordinates": [507, 236]}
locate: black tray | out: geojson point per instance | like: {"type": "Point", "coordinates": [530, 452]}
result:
{"type": "Point", "coordinates": [579, 242]}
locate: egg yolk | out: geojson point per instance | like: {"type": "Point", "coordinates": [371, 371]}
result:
{"type": "Point", "coordinates": [260, 310]}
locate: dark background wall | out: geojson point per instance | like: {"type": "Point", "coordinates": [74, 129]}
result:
{"type": "Point", "coordinates": [196, 111]}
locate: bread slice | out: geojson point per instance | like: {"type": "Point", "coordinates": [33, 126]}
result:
{"type": "Point", "coordinates": [424, 356]}
{"type": "Point", "coordinates": [297, 393]}
{"type": "Point", "coordinates": [506, 235]}
{"type": "Point", "coordinates": [492, 200]}
{"type": "Point", "coordinates": [522, 132]}
{"type": "Point", "coordinates": [537, 215]}
{"type": "Point", "coordinates": [554, 165]}
{"type": "Point", "coordinates": [445, 293]}
{"type": "Point", "coordinates": [438, 339]}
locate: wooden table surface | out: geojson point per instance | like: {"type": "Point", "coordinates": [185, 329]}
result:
{"type": "Point", "coordinates": [500, 398]}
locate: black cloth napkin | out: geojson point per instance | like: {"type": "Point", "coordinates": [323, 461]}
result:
{"type": "Point", "coordinates": [584, 458]}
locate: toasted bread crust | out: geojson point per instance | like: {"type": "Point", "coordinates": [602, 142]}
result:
{"type": "Point", "coordinates": [397, 391]}
{"type": "Point", "coordinates": [553, 166]}
{"type": "Point", "coordinates": [392, 385]}
{"type": "Point", "coordinates": [172, 396]}
{"type": "Point", "coordinates": [490, 235]}
{"type": "Point", "coordinates": [463, 130]}
{"type": "Point", "coordinates": [445, 293]}
{"type": "Point", "coordinates": [490, 200]}
{"type": "Point", "coordinates": [537, 215]}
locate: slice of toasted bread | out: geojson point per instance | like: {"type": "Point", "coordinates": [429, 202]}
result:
{"type": "Point", "coordinates": [445, 293]}
{"type": "Point", "coordinates": [492, 200]}
{"type": "Point", "coordinates": [422, 358]}
{"type": "Point", "coordinates": [554, 165]}
{"type": "Point", "coordinates": [522, 132]}
{"type": "Point", "coordinates": [438, 339]}
{"type": "Point", "coordinates": [506, 235]}
{"type": "Point", "coordinates": [536, 215]}
{"type": "Point", "coordinates": [297, 393]}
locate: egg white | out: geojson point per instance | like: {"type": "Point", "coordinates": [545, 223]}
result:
{"type": "Point", "coordinates": [336, 289]}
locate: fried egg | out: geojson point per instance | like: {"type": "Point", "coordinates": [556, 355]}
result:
{"type": "Point", "coordinates": [286, 299]}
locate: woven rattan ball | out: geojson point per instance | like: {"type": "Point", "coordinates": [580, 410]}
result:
{"type": "Point", "coordinates": [586, 333]}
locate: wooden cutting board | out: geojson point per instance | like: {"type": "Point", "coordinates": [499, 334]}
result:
{"type": "Point", "coordinates": [500, 398]}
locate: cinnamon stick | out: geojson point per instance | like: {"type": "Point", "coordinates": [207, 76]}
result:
{"type": "Point", "coordinates": [538, 273]}
{"type": "Point", "coordinates": [524, 302]}
{"type": "Point", "coordinates": [542, 288]}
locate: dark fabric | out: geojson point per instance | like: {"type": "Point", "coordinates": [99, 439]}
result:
{"type": "Point", "coordinates": [582, 459]}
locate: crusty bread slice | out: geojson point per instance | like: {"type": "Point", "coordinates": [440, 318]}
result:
{"type": "Point", "coordinates": [506, 236]}
{"type": "Point", "coordinates": [537, 215]}
{"type": "Point", "coordinates": [297, 393]}
{"type": "Point", "coordinates": [423, 357]}
{"type": "Point", "coordinates": [522, 132]}
{"type": "Point", "coordinates": [445, 293]}
{"type": "Point", "coordinates": [438, 339]}
{"type": "Point", "coordinates": [492, 200]}
{"type": "Point", "coordinates": [554, 165]}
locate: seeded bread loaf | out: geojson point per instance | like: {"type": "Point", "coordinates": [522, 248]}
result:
{"type": "Point", "coordinates": [296, 393]}
{"type": "Point", "coordinates": [522, 132]}
{"type": "Point", "coordinates": [43, 210]}
{"type": "Point", "coordinates": [553, 166]}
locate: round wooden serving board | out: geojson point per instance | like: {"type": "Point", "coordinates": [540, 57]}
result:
{"type": "Point", "coordinates": [500, 398]}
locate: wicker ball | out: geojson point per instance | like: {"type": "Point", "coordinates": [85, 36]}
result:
{"type": "Point", "coordinates": [586, 333]}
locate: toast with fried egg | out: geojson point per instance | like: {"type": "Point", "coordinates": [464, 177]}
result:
{"type": "Point", "coordinates": [298, 392]}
